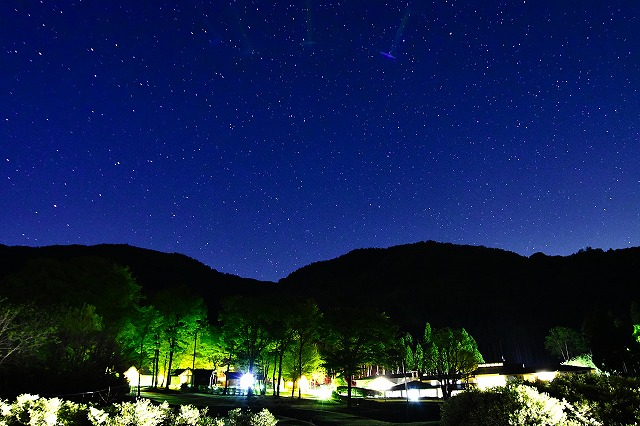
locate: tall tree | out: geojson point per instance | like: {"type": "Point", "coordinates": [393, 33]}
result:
{"type": "Point", "coordinates": [412, 353]}
{"type": "Point", "coordinates": [183, 312]}
{"type": "Point", "coordinates": [229, 344]}
{"type": "Point", "coordinates": [355, 337]}
{"type": "Point", "coordinates": [140, 335]}
{"type": "Point", "coordinates": [451, 354]}
{"type": "Point", "coordinates": [279, 327]}
{"type": "Point", "coordinates": [88, 301]}
{"type": "Point", "coordinates": [244, 321]}
{"type": "Point", "coordinates": [23, 332]}
{"type": "Point", "coordinates": [305, 323]}
{"type": "Point", "coordinates": [301, 362]}
{"type": "Point", "coordinates": [612, 342]}
{"type": "Point", "coordinates": [565, 343]}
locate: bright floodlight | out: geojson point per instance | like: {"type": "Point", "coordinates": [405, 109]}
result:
{"type": "Point", "coordinates": [324, 392]}
{"type": "Point", "coordinates": [380, 383]}
{"type": "Point", "coordinates": [246, 381]}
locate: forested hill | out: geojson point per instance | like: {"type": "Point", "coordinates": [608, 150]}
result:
{"type": "Point", "coordinates": [152, 270]}
{"type": "Point", "coordinates": [506, 301]}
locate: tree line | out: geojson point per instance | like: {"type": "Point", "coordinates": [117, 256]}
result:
{"type": "Point", "coordinates": [77, 325]}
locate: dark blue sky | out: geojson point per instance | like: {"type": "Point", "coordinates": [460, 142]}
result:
{"type": "Point", "coordinates": [259, 138]}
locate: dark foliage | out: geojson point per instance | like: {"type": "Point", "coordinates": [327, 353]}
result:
{"type": "Point", "coordinates": [152, 270]}
{"type": "Point", "coordinates": [613, 400]}
{"type": "Point", "coordinates": [507, 302]}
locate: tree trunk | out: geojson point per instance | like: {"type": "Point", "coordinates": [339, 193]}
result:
{"type": "Point", "coordinates": [280, 371]}
{"type": "Point", "coordinates": [140, 365]}
{"type": "Point", "coordinates": [193, 363]}
{"type": "Point", "coordinates": [173, 337]}
{"type": "Point", "coordinates": [349, 377]}
{"type": "Point", "coordinates": [299, 370]}
{"type": "Point", "coordinates": [169, 369]}
{"type": "Point", "coordinates": [226, 381]}
{"type": "Point", "coordinates": [273, 377]}
{"type": "Point", "coordinates": [164, 367]}
{"type": "Point", "coordinates": [156, 367]}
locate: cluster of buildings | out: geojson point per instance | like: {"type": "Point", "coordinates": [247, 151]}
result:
{"type": "Point", "coordinates": [407, 385]}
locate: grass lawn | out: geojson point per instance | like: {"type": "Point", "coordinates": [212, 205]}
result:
{"type": "Point", "coordinates": [294, 411]}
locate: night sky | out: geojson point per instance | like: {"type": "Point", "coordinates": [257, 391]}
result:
{"type": "Point", "coordinates": [258, 137]}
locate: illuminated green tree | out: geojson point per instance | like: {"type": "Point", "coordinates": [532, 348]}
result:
{"type": "Point", "coordinates": [80, 333]}
{"type": "Point", "coordinates": [212, 347]}
{"type": "Point", "coordinates": [565, 343]}
{"type": "Point", "coordinates": [183, 313]}
{"type": "Point", "coordinates": [140, 335]}
{"type": "Point", "coordinates": [354, 337]}
{"type": "Point", "coordinates": [301, 361]}
{"type": "Point", "coordinates": [412, 354]}
{"type": "Point", "coordinates": [244, 322]}
{"type": "Point", "coordinates": [229, 344]}
{"type": "Point", "coordinates": [305, 323]}
{"type": "Point", "coordinates": [451, 355]}
{"type": "Point", "coordinates": [279, 326]}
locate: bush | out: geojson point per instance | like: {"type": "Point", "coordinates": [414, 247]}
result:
{"type": "Point", "coordinates": [510, 405]}
{"type": "Point", "coordinates": [613, 400]}
{"type": "Point", "coordinates": [33, 410]}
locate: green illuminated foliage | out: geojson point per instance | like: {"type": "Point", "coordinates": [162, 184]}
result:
{"type": "Point", "coordinates": [512, 405]}
{"type": "Point", "coordinates": [281, 314]}
{"type": "Point", "coordinates": [565, 343]}
{"type": "Point", "coordinates": [30, 409]}
{"type": "Point", "coordinates": [182, 315]}
{"type": "Point", "coordinates": [244, 322]}
{"type": "Point", "coordinates": [451, 355]}
{"type": "Point", "coordinates": [610, 399]}
{"type": "Point", "coordinates": [140, 337]}
{"type": "Point", "coordinates": [305, 325]}
{"type": "Point", "coordinates": [354, 337]}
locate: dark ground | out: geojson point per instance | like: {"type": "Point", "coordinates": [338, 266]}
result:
{"type": "Point", "coordinates": [293, 411]}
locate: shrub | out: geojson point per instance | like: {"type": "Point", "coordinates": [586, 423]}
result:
{"type": "Point", "coordinates": [35, 411]}
{"type": "Point", "coordinates": [612, 400]}
{"type": "Point", "coordinates": [261, 418]}
{"type": "Point", "coordinates": [141, 412]}
{"type": "Point", "coordinates": [510, 405]}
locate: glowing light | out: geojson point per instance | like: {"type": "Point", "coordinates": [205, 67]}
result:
{"type": "Point", "coordinates": [303, 383]}
{"type": "Point", "coordinates": [380, 384]}
{"type": "Point", "coordinates": [414, 394]}
{"type": "Point", "coordinates": [132, 376]}
{"type": "Point", "coordinates": [246, 381]}
{"type": "Point", "coordinates": [546, 375]}
{"type": "Point", "coordinates": [323, 392]}
{"type": "Point", "coordinates": [491, 381]}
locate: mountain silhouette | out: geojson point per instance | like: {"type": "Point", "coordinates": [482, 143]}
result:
{"type": "Point", "coordinates": [506, 301]}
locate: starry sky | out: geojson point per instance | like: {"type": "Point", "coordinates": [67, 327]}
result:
{"type": "Point", "coordinates": [258, 137]}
